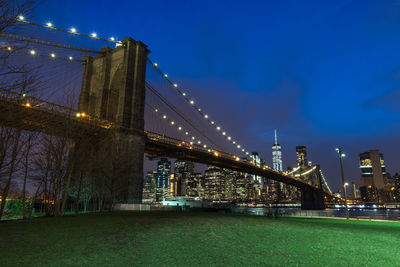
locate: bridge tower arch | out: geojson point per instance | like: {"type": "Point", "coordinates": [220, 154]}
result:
{"type": "Point", "coordinates": [113, 89]}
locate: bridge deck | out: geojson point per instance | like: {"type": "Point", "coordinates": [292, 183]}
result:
{"type": "Point", "coordinates": [29, 113]}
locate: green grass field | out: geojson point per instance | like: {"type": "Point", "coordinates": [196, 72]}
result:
{"type": "Point", "coordinates": [197, 239]}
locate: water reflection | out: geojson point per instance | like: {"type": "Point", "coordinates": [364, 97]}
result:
{"type": "Point", "coordinates": [373, 214]}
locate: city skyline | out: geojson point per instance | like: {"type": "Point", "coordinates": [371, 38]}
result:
{"type": "Point", "coordinates": [311, 66]}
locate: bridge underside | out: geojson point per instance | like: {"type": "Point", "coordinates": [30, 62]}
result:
{"type": "Point", "coordinates": [17, 115]}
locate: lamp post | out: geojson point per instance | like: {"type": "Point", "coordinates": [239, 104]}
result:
{"type": "Point", "coordinates": [341, 156]}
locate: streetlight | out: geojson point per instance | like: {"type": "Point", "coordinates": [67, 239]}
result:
{"type": "Point", "coordinates": [341, 156]}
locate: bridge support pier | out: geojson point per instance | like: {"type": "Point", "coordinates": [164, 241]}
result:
{"type": "Point", "coordinates": [312, 199]}
{"type": "Point", "coordinates": [113, 88]}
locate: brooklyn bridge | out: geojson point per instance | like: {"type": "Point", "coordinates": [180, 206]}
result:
{"type": "Point", "coordinates": [121, 102]}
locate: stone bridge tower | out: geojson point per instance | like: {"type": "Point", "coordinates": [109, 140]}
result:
{"type": "Point", "coordinates": [113, 88]}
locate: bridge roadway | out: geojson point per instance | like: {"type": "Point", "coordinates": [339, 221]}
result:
{"type": "Point", "coordinates": [33, 114]}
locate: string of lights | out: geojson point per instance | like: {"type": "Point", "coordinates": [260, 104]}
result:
{"type": "Point", "coordinates": [181, 115]}
{"type": "Point", "coordinates": [33, 52]}
{"type": "Point", "coordinates": [204, 115]}
{"type": "Point", "coordinates": [72, 30]}
{"type": "Point", "coordinates": [172, 123]}
{"type": "Point", "coordinates": [36, 41]}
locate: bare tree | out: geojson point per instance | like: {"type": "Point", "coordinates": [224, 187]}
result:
{"type": "Point", "coordinates": [12, 166]}
{"type": "Point", "coordinates": [51, 164]}
{"type": "Point", "coordinates": [26, 168]}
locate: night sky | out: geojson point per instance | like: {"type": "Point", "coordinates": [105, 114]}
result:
{"type": "Point", "coordinates": [323, 73]}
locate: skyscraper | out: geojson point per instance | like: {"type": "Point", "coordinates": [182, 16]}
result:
{"type": "Point", "coordinates": [149, 187]}
{"type": "Point", "coordinates": [301, 155]}
{"type": "Point", "coordinates": [183, 170]}
{"type": "Point", "coordinates": [277, 155]}
{"type": "Point", "coordinates": [373, 175]}
{"type": "Point", "coordinates": [214, 184]}
{"type": "Point", "coordinates": [163, 172]}
{"type": "Point", "coordinates": [257, 161]}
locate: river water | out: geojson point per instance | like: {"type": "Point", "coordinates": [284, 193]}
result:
{"type": "Point", "coordinates": [373, 214]}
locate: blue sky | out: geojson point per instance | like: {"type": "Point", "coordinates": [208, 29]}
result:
{"type": "Point", "coordinates": [324, 73]}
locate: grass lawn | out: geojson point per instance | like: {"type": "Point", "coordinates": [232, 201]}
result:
{"type": "Point", "coordinates": [197, 239]}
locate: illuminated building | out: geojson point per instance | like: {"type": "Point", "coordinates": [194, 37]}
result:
{"type": "Point", "coordinates": [173, 185]}
{"type": "Point", "coordinates": [163, 173]}
{"type": "Point", "coordinates": [230, 184]}
{"type": "Point", "coordinates": [301, 156]}
{"type": "Point", "coordinates": [214, 183]}
{"type": "Point", "coordinates": [276, 155]}
{"type": "Point", "coordinates": [193, 185]}
{"type": "Point", "coordinates": [183, 171]}
{"type": "Point", "coordinates": [240, 187]}
{"type": "Point", "coordinates": [199, 186]}
{"type": "Point", "coordinates": [257, 161]}
{"type": "Point", "coordinates": [149, 187]}
{"type": "Point", "coordinates": [373, 175]}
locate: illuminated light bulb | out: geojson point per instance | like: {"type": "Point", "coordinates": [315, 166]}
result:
{"type": "Point", "coordinates": [78, 115]}
{"type": "Point", "coordinates": [112, 39]}
{"type": "Point", "coordinates": [49, 24]}
{"type": "Point", "coordinates": [212, 122]}
{"type": "Point", "coordinates": [233, 142]}
{"type": "Point", "coordinates": [156, 110]}
{"type": "Point", "coordinates": [71, 58]}
{"type": "Point", "coordinates": [83, 114]}
{"type": "Point", "coordinates": [237, 158]}
{"type": "Point", "coordinates": [242, 149]}
{"type": "Point", "coordinates": [52, 55]}
{"type": "Point", "coordinates": [94, 35]}
{"type": "Point", "coordinates": [27, 105]}
{"type": "Point", "coordinates": [218, 128]}
{"type": "Point", "coordinates": [199, 142]}
{"type": "Point", "coordinates": [199, 109]}
{"type": "Point", "coordinates": [33, 52]}
{"type": "Point", "coordinates": [164, 117]}
{"type": "Point", "coordinates": [23, 95]}
{"type": "Point", "coordinates": [238, 146]}
{"type": "Point", "coordinates": [223, 133]}
{"type": "Point", "coordinates": [206, 116]}
{"type": "Point", "coordinates": [205, 146]}
{"type": "Point", "coordinates": [165, 75]}
{"type": "Point", "coordinates": [193, 138]}
{"type": "Point", "coordinates": [73, 30]}
{"type": "Point", "coordinates": [155, 64]}
{"type": "Point", "coordinates": [184, 94]}
{"type": "Point", "coordinates": [176, 85]}
{"type": "Point", "coordinates": [191, 143]}
{"type": "Point", "coordinates": [209, 150]}
{"type": "Point", "coordinates": [247, 153]}
{"type": "Point", "coordinates": [186, 133]}
{"type": "Point", "coordinates": [179, 128]}
{"type": "Point", "coordinates": [9, 48]}
{"type": "Point", "coordinates": [192, 102]}
{"type": "Point", "coordinates": [229, 138]}
{"type": "Point", "coordinates": [172, 122]}
{"type": "Point", "coordinates": [21, 17]}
